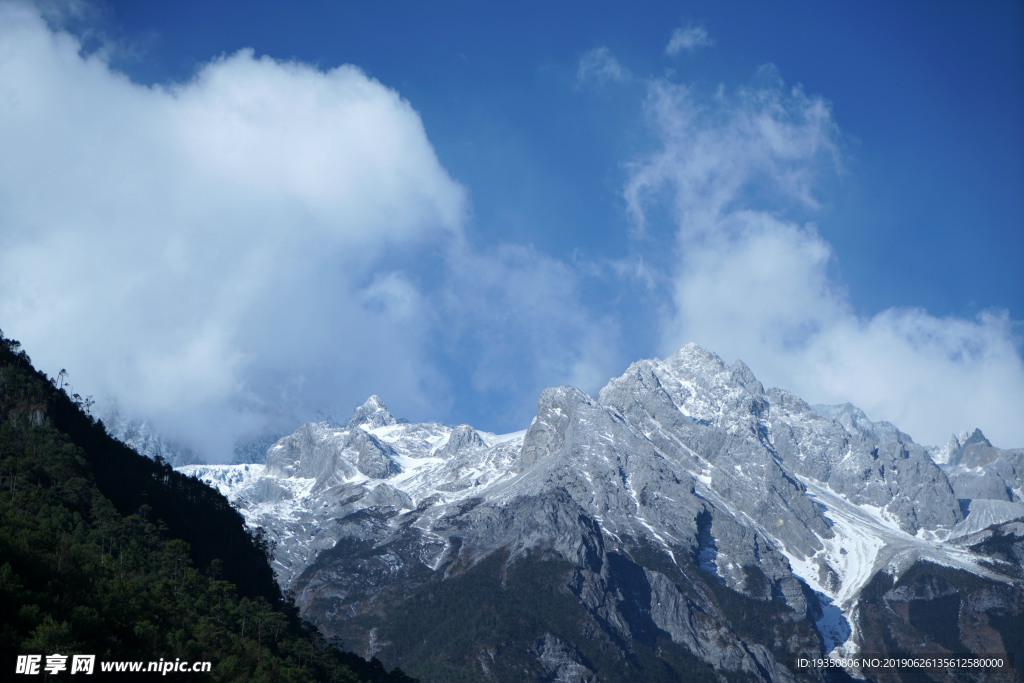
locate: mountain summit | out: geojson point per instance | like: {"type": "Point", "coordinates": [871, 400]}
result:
{"type": "Point", "coordinates": [372, 414]}
{"type": "Point", "coordinates": [687, 522]}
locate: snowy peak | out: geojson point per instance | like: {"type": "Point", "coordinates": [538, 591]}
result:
{"type": "Point", "coordinates": [978, 471]}
{"type": "Point", "coordinates": [970, 449]}
{"type": "Point", "coordinates": [856, 422]}
{"type": "Point", "coordinates": [976, 437]}
{"type": "Point", "coordinates": [462, 438]}
{"type": "Point", "coordinates": [960, 444]}
{"type": "Point", "coordinates": [372, 414]}
{"type": "Point", "coordinates": [853, 419]}
{"type": "Point", "coordinates": [869, 463]}
{"type": "Point", "coordinates": [695, 360]}
{"type": "Point", "coordinates": [330, 455]}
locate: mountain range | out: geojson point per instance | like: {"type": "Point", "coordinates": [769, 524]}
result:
{"type": "Point", "coordinates": [685, 524]}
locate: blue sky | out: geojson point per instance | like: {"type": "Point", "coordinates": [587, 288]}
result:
{"type": "Point", "coordinates": [212, 219]}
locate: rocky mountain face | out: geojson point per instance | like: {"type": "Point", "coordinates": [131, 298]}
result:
{"type": "Point", "coordinates": [686, 524]}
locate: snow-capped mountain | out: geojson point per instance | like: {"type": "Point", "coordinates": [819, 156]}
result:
{"type": "Point", "coordinates": [321, 474]}
{"type": "Point", "coordinates": [687, 520]}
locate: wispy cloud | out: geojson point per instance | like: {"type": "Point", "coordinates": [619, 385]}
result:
{"type": "Point", "coordinates": [715, 148]}
{"type": "Point", "coordinates": [600, 66]}
{"type": "Point", "coordinates": [519, 313]}
{"type": "Point", "coordinates": [688, 38]}
{"type": "Point", "coordinates": [752, 283]}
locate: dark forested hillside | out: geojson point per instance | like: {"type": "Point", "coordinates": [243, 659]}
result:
{"type": "Point", "coordinates": [105, 552]}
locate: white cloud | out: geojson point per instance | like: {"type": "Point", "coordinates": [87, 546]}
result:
{"type": "Point", "coordinates": [689, 38]}
{"type": "Point", "coordinates": [262, 243]}
{"type": "Point", "coordinates": [197, 249]}
{"type": "Point", "coordinates": [929, 375]}
{"type": "Point", "coordinates": [750, 283]}
{"type": "Point", "coordinates": [600, 66]}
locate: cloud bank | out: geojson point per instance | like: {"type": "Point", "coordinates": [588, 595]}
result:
{"type": "Point", "coordinates": [750, 283]}
{"type": "Point", "coordinates": [163, 242]}
{"type": "Point", "coordinates": [261, 244]}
